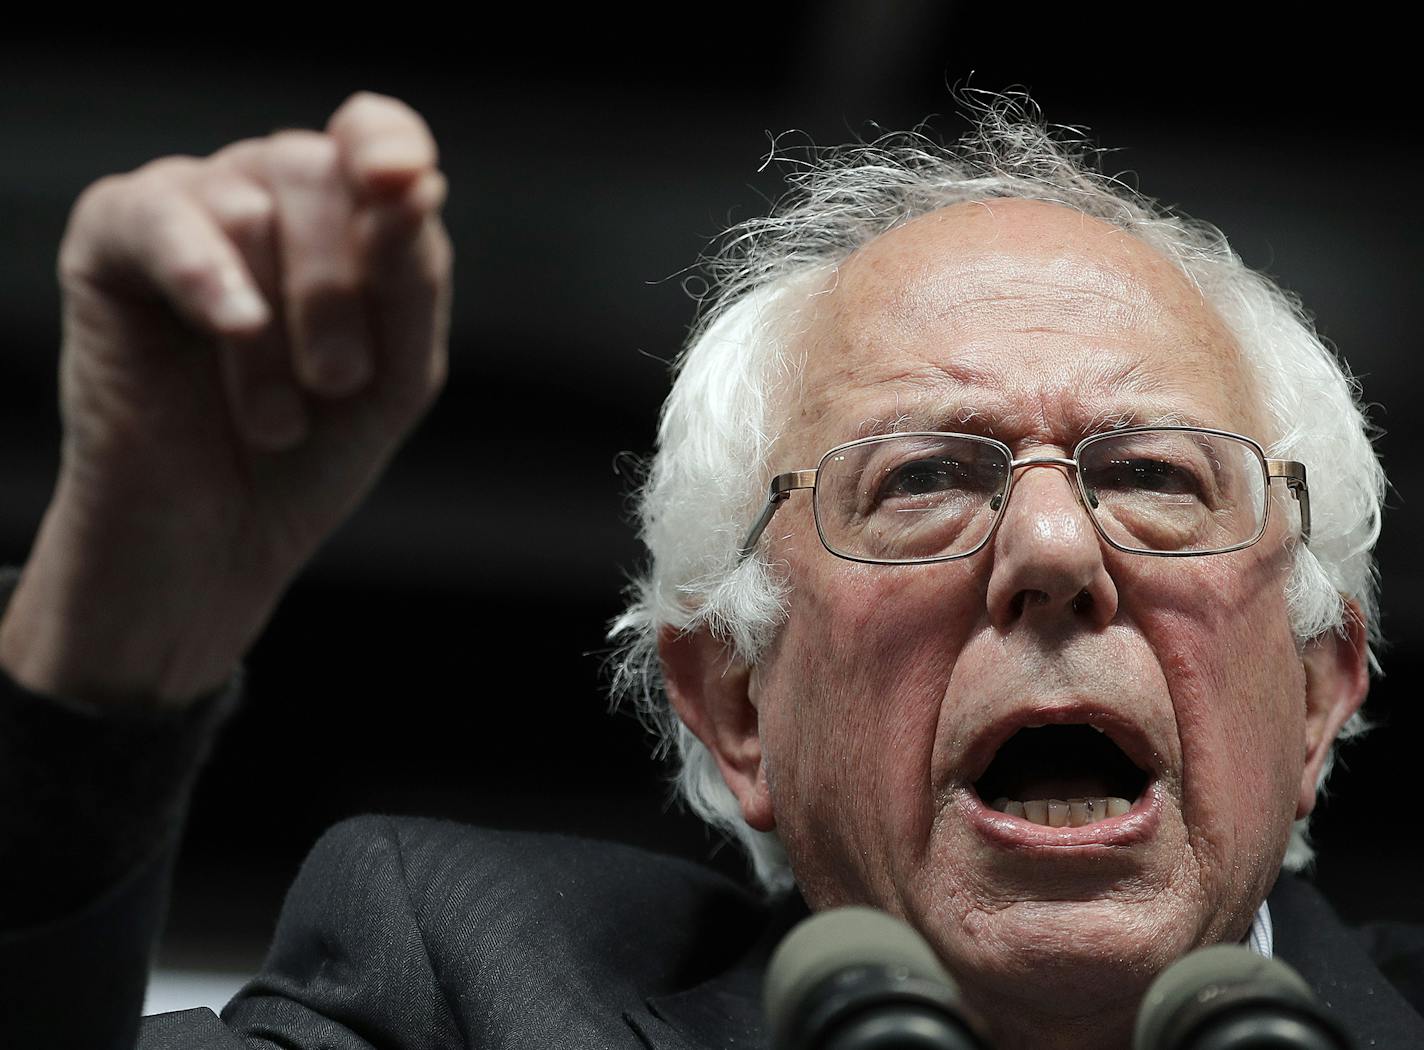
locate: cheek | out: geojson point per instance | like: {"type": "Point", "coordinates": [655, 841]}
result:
{"type": "Point", "coordinates": [1237, 689]}
{"type": "Point", "coordinates": [852, 696]}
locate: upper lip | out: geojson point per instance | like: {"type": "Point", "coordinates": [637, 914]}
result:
{"type": "Point", "coordinates": [1122, 731]}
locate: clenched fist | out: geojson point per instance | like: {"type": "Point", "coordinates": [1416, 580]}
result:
{"type": "Point", "coordinates": [247, 338]}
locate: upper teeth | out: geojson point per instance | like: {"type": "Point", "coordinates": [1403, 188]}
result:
{"type": "Point", "coordinates": [1058, 813]}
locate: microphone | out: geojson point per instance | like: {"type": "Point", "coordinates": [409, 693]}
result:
{"type": "Point", "coordinates": [1228, 998]}
{"type": "Point", "coordinates": [859, 979]}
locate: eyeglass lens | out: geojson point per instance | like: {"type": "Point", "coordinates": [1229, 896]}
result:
{"type": "Point", "coordinates": [911, 497]}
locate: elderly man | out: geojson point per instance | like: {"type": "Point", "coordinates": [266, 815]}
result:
{"type": "Point", "coordinates": [1010, 573]}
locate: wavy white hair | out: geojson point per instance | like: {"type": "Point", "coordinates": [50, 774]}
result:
{"type": "Point", "coordinates": [708, 477]}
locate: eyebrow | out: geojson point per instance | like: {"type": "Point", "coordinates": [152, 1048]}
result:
{"type": "Point", "coordinates": [981, 416]}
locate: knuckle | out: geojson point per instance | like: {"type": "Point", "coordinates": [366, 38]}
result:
{"type": "Point", "coordinates": [239, 151]}
{"type": "Point", "coordinates": [190, 277]}
{"type": "Point", "coordinates": [101, 198]}
{"type": "Point", "coordinates": [116, 209]}
{"type": "Point", "coordinates": [360, 100]}
{"type": "Point", "coordinates": [242, 208]}
{"type": "Point", "coordinates": [185, 265]}
{"type": "Point", "coordinates": [147, 198]}
{"type": "Point", "coordinates": [190, 283]}
{"type": "Point", "coordinates": [165, 170]}
{"type": "Point", "coordinates": [76, 247]}
{"type": "Point", "coordinates": [93, 202]}
{"type": "Point", "coordinates": [152, 213]}
{"type": "Point", "coordinates": [302, 156]}
{"type": "Point", "coordinates": [360, 104]}
{"type": "Point", "coordinates": [152, 182]}
{"type": "Point", "coordinates": [327, 284]}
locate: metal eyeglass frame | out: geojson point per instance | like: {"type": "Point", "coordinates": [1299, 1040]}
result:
{"type": "Point", "coordinates": [1287, 470]}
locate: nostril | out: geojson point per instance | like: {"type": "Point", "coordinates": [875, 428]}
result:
{"type": "Point", "coordinates": [1082, 601]}
{"type": "Point", "coordinates": [1025, 598]}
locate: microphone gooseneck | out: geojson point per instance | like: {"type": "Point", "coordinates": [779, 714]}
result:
{"type": "Point", "coordinates": [1228, 998]}
{"type": "Point", "coordinates": [859, 979]}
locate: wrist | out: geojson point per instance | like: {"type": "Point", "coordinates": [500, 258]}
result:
{"type": "Point", "coordinates": [112, 621]}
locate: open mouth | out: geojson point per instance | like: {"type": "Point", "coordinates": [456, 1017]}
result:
{"type": "Point", "coordinates": [1060, 776]}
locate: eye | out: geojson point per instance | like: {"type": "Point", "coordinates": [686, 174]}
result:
{"type": "Point", "coordinates": [1143, 474]}
{"type": "Point", "coordinates": [921, 478]}
{"type": "Point", "coordinates": [941, 475]}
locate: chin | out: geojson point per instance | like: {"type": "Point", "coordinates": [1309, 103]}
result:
{"type": "Point", "coordinates": [1055, 953]}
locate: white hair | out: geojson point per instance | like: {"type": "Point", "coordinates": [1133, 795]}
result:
{"type": "Point", "coordinates": [707, 480]}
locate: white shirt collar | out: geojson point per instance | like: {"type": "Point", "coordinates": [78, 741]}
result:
{"type": "Point", "coordinates": [1261, 937]}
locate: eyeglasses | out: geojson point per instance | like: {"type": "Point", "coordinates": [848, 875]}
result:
{"type": "Point", "coordinates": [903, 499]}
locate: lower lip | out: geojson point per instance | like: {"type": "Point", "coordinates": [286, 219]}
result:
{"type": "Point", "coordinates": [1135, 826]}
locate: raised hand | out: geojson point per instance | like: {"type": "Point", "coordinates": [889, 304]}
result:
{"type": "Point", "coordinates": [247, 338]}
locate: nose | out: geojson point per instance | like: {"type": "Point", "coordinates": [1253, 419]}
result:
{"type": "Point", "coordinates": [1048, 558]}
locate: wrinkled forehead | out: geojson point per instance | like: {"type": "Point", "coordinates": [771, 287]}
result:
{"type": "Point", "coordinates": [1026, 317]}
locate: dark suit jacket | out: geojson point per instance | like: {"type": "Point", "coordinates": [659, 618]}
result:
{"type": "Point", "coordinates": [406, 933]}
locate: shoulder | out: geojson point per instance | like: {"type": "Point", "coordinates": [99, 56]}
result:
{"type": "Point", "coordinates": [554, 900]}
{"type": "Point", "coordinates": [403, 925]}
{"type": "Point", "coordinates": [540, 867]}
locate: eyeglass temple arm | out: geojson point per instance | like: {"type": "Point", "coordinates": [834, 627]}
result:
{"type": "Point", "coordinates": [1293, 474]}
{"type": "Point", "coordinates": [781, 487]}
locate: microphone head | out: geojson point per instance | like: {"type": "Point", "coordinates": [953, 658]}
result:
{"type": "Point", "coordinates": [1207, 984]}
{"type": "Point", "coordinates": [838, 961]}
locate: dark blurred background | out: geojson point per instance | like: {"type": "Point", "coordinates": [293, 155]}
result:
{"type": "Point", "coordinates": [443, 654]}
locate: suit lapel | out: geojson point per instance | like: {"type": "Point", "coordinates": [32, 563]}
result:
{"type": "Point", "coordinates": [657, 1034]}
{"type": "Point", "coordinates": [724, 1012]}
{"type": "Point", "coordinates": [1311, 937]}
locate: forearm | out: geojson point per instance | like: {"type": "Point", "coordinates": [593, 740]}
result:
{"type": "Point", "coordinates": [93, 806]}
{"type": "Point", "coordinates": [90, 794]}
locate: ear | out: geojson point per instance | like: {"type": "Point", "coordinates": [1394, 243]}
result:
{"type": "Point", "coordinates": [709, 688]}
{"type": "Point", "coordinates": [1336, 680]}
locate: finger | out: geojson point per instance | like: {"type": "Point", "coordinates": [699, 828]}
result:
{"type": "Point", "coordinates": [241, 207]}
{"type": "Point", "coordinates": [262, 392]}
{"type": "Point", "coordinates": [385, 145]}
{"type": "Point", "coordinates": [408, 265]}
{"type": "Point", "coordinates": [385, 228]}
{"type": "Point", "coordinates": [147, 229]}
{"type": "Point", "coordinates": [320, 274]}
